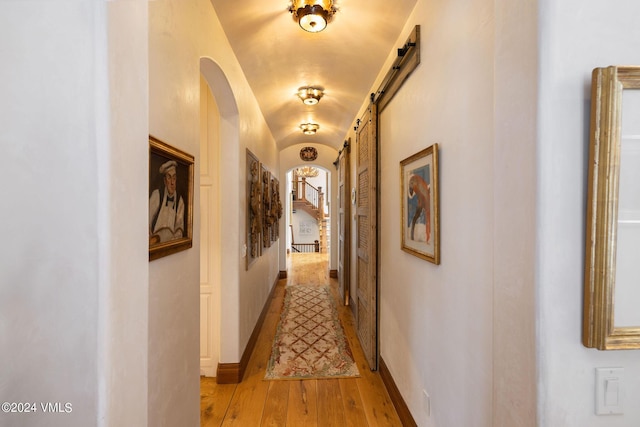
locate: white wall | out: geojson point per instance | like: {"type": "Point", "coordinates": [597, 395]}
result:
{"type": "Point", "coordinates": [575, 38]}
{"type": "Point", "coordinates": [436, 321]}
{"type": "Point", "coordinates": [181, 34]}
{"type": "Point", "coordinates": [464, 331]}
{"type": "Point", "coordinates": [309, 231]}
{"type": "Point", "coordinates": [514, 214]}
{"type": "Point", "coordinates": [73, 280]}
{"type": "Point", "coordinates": [174, 109]}
{"type": "Point", "coordinates": [493, 333]}
{"type": "Point", "coordinates": [123, 158]}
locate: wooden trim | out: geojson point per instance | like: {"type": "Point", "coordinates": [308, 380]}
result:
{"type": "Point", "coordinates": [348, 202]}
{"type": "Point", "coordinates": [229, 373]}
{"type": "Point", "coordinates": [283, 274]}
{"type": "Point", "coordinates": [333, 274]}
{"type": "Point", "coordinates": [407, 61]}
{"type": "Point", "coordinates": [232, 373]}
{"type": "Point", "coordinates": [398, 402]}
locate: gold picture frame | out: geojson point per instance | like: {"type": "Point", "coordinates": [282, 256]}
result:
{"type": "Point", "coordinates": [170, 199]}
{"type": "Point", "coordinates": [602, 329]}
{"type": "Point", "coordinates": [420, 208]}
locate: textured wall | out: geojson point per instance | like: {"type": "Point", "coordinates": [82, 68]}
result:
{"type": "Point", "coordinates": [73, 281]}
{"type": "Point", "coordinates": [186, 40]}
{"type": "Point", "coordinates": [436, 321]}
{"type": "Point", "coordinates": [576, 38]}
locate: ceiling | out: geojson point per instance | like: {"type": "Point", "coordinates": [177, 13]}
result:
{"type": "Point", "coordinates": [278, 57]}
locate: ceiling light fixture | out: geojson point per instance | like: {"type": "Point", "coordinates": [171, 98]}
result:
{"type": "Point", "coordinates": [310, 95]}
{"type": "Point", "coordinates": [307, 172]}
{"type": "Point", "coordinates": [312, 15]}
{"type": "Point", "coordinates": [309, 128]}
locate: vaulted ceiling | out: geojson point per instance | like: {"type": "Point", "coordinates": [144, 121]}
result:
{"type": "Point", "coordinates": [278, 57]}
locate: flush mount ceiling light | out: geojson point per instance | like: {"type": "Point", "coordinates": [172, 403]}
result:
{"type": "Point", "coordinates": [312, 15]}
{"type": "Point", "coordinates": [310, 95]}
{"type": "Point", "coordinates": [309, 128]}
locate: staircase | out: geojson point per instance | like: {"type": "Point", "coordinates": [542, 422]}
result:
{"type": "Point", "coordinates": [306, 206]}
{"type": "Point", "coordinates": [310, 199]}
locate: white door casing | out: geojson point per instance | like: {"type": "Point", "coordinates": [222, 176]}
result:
{"type": "Point", "coordinates": [210, 261]}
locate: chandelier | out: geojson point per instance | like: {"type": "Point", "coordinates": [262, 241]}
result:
{"type": "Point", "coordinates": [312, 15]}
{"type": "Point", "coordinates": [307, 172]}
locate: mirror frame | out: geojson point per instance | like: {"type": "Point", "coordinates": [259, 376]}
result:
{"type": "Point", "coordinates": [599, 329]}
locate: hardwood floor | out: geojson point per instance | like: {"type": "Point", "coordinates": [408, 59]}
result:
{"type": "Point", "coordinates": [256, 402]}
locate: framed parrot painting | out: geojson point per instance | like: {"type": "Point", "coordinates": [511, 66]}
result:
{"type": "Point", "coordinates": [419, 203]}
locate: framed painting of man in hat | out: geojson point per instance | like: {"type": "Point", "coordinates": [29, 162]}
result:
{"type": "Point", "coordinates": [170, 199]}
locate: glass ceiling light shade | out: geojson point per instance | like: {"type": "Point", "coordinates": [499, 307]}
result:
{"type": "Point", "coordinates": [312, 15]}
{"type": "Point", "coordinates": [310, 95]}
{"type": "Point", "coordinates": [309, 128]}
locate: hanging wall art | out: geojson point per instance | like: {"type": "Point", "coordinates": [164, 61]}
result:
{"type": "Point", "coordinates": [420, 209]}
{"type": "Point", "coordinates": [170, 199]}
{"type": "Point", "coordinates": [254, 208]}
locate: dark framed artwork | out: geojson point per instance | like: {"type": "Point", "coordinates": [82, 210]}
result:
{"type": "Point", "coordinates": [419, 198]}
{"type": "Point", "coordinates": [276, 208]}
{"type": "Point", "coordinates": [267, 199]}
{"type": "Point", "coordinates": [308, 154]}
{"type": "Point", "coordinates": [254, 208]}
{"type": "Point", "coordinates": [170, 199]}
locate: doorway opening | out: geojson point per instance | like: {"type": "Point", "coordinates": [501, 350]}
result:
{"type": "Point", "coordinates": [218, 304]}
{"type": "Point", "coordinates": [308, 221]}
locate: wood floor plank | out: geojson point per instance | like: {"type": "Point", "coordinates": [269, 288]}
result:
{"type": "Point", "coordinates": [262, 350]}
{"type": "Point", "coordinates": [248, 402]}
{"type": "Point", "coordinates": [275, 408]}
{"type": "Point", "coordinates": [250, 398]}
{"type": "Point", "coordinates": [214, 401]}
{"type": "Point", "coordinates": [377, 405]}
{"type": "Point", "coordinates": [376, 402]}
{"type": "Point", "coordinates": [353, 409]}
{"type": "Point", "coordinates": [330, 406]}
{"type": "Point", "coordinates": [303, 405]}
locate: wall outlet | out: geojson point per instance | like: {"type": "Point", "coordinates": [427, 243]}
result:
{"type": "Point", "coordinates": [426, 402]}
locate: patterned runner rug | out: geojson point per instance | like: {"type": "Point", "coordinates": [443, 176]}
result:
{"type": "Point", "coordinates": [310, 341]}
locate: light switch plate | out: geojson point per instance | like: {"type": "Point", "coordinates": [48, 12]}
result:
{"type": "Point", "coordinates": [426, 402]}
{"type": "Point", "coordinates": [609, 391]}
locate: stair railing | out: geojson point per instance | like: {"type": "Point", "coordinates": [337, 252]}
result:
{"type": "Point", "coordinates": [304, 191]}
{"type": "Point", "coordinates": [306, 247]}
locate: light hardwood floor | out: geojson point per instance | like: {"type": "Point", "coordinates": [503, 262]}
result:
{"type": "Point", "coordinates": [256, 402]}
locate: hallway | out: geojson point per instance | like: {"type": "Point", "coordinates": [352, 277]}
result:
{"type": "Point", "coordinates": [360, 401]}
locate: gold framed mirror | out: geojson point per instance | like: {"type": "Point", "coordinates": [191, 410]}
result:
{"type": "Point", "coordinates": [611, 319]}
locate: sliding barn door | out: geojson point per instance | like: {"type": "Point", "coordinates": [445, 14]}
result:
{"type": "Point", "coordinates": [344, 220]}
{"type": "Point", "coordinates": [366, 235]}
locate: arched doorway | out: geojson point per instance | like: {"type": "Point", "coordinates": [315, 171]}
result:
{"type": "Point", "coordinates": [290, 160]}
{"type": "Point", "coordinates": [218, 124]}
{"type": "Point", "coordinates": [309, 219]}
